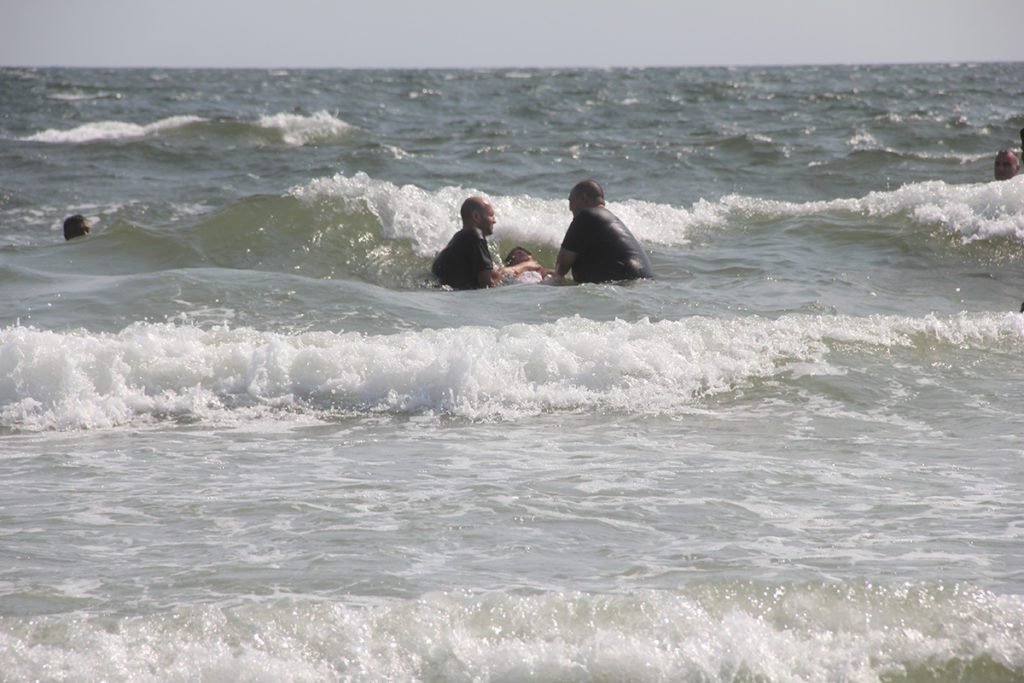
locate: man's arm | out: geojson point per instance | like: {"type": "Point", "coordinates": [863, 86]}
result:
{"type": "Point", "coordinates": [490, 277]}
{"type": "Point", "coordinates": [564, 261]}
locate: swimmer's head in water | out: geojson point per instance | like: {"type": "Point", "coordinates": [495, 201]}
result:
{"type": "Point", "coordinates": [518, 255]}
{"type": "Point", "coordinates": [76, 226]}
{"type": "Point", "coordinates": [1007, 165]}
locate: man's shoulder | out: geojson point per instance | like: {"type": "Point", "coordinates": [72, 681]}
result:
{"type": "Point", "coordinates": [464, 236]}
{"type": "Point", "coordinates": [599, 214]}
{"type": "Point", "coordinates": [596, 211]}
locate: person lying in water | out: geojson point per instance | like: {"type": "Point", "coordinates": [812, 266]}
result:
{"type": "Point", "coordinates": [520, 256]}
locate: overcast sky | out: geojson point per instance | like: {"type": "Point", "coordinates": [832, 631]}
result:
{"type": "Point", "coordinates": [484, 33]}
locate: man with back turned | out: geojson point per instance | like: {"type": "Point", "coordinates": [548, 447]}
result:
{"type": "Point", "coordinates": [465, 263]}
{"type": "Point", "coordinates": [598, 247]}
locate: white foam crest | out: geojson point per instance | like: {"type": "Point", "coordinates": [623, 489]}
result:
{"type": "Point", "coordinates": [863, 140]}
{"type": "Point", "coordinates": [664, 224]}
{"type": "Point", "coordinates": [975, 211]}
{"type": "Point", "coordinates": [79, 96]}
{"type": "Point", "coordinates": [111, 130]}
{"type": "Point", "coordinates": [428, 219]}
{"type": "Point", "coordinates": [81, 380]}
{"type": "Point", "coordinates": [298, 129]}
{"type": "Point", "coordinates": [713, 633]}
{"type": "Point", "coordinates": [962, 159]}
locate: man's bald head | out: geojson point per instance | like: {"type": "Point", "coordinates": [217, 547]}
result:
{"type": "Point", "coordinates": [589, 191]}
{"type": "Point", "coordinates": [478, 213]}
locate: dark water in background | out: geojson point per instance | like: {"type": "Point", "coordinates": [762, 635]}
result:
{"type": "Point", "coordinates": [243, 436]}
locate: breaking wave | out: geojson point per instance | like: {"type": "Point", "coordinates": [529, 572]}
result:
{"type": "Point", "coordinates": [153, 371]}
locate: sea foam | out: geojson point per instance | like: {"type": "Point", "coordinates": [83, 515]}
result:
{"type": "Point", "coordinates": [715, 632]}
{"type": "Point", "coordinates": [973, 212]}
{"type": "Point", "coordinates": [111, 130]}
{"type": "Point", "coordinates": [298, 129]}
{"type": "Point", "coordinates": [294, 129]}
{"type": "Point", "coordinates": [429, 218]}
{"type": "Point", "coordinates": [82, 380]}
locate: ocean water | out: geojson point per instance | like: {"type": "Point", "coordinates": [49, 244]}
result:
{"type": "Point", "coordinates": [244, 436]}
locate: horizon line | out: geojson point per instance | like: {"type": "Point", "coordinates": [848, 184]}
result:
{"type": "Point", "coordinates": [956, 62]}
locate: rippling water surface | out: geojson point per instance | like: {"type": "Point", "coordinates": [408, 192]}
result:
{"type": "Point", "coordinates": [245, 436]}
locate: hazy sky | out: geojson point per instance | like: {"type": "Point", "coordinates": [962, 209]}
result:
{"type": "Point", "coordinates": [483, 33]}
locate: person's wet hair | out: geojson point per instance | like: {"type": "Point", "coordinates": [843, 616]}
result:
{"type": "Point", "coordinates": [75, 226]}
{"type": "Point", "coordinates": [517, 255]}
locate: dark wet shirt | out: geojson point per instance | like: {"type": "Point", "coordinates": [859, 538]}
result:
{"type": "Point", "coordinates": [605, 248]}
{"type": "Point", "coordinates": [459, 264]}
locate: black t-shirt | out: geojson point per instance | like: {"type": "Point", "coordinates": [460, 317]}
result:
{"type": "Point", "coordinates": [605, 248]}
{"type": "Point", "coordinates": [459, 264]}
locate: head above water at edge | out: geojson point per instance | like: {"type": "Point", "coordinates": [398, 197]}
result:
{"type": "Point", "coordinates": [1007, 165]}
{"type": "Point", "coordinates": [477, 212]}
{"type": "Point", "coordinates": [76, 226]}
{"type": "Point", "coordinates": [585, 194]}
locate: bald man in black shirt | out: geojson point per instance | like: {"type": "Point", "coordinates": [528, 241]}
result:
{"type": "Point", "coordinates": [465, 263]}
